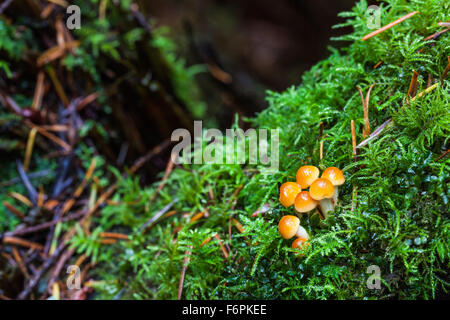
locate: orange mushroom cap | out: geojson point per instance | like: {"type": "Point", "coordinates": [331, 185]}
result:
{"type": "Point", "coordinates": [300, 243]}
{"type": "Point", "coordinates": [304, 202]}
{"type": "Point", "coordinates": [288, 192]}
{"type": "Point", "coordinates": [306, 175]}
{"type": "Point", "coordinates": [288, 226]}
{"type": "Point", "coordinates": [321, 189]}
{"type": "Point", "coordinates": [335, 175]}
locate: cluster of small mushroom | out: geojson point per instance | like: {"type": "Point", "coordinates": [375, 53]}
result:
{"type": "Point", "coordinates": [323, 193]}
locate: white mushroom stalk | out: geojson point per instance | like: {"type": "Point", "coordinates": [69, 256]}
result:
{"type": "Point", "coordinates": [326, 206]}
{"type": "Point", "coordinates": [301, 233]}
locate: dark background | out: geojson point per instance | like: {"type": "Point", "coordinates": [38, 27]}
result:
{"type": "Point", "coordinates": [249, 46]}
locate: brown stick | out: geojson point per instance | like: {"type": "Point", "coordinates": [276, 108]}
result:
{"type": "Point", "coordinates": [13, 209]}
{"type": "Point", "coordinates": [183, 273]}
{"type": "Point", "coordinates": [87, 100]}
{"type": "Point", "coordinates": [198, 216]}
{"type": "Point", "coordinates": [39, 91]}
{"type": "Point", "coordinates": [22, 242]}
{"type": "Point", "coordinates": [238, 225]}
{"type": "Point", "coordinates": [58, 87]}
{"type": "Point", "coordinates": [50, 136]}
{"type": "Point", "coordinates": [21, 198]}
{"type": "Point", "coordinates": [108, 241]}
{"type": "Point", "coordinates": [224, 251]}
{"type": "Point", "coordinates": [366, 129]}
{"type": "Point", "coordinates": [321, 149]}
{"type": "Point", "coordinates": [379, 63]}
{"type": "Point", "coordinates": [446, 152]}
{"type": "Point", "coordinates": [390, 25]}
{"type": "Point", "coordinates": [113, 235]}
{"type": "Point", "coordinates": [437, 34]}
{"type": "Point", "coordinates": [19, 261]}
{"type": "Point", "coordinates": [366, 110]}
{"type": "Point", "coordinates": [413, 84]}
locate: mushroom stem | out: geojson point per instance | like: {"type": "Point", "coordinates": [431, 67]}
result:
{"type": "Point", "coordinates": [335, 196]}
{"type": "Point", "coordinates": [302, 233]}
{"type": "Point", "coordinates": [326, 205]}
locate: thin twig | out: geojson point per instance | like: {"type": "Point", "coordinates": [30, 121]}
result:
{"type": "Point", "coordinates": [224, 251]}
{"type": "Point", "coordinates": [436, 35]}
{"type": "Point", "coordinates": [321, 149]}
{"type": "Point", "coordinates": [21, 198]}
{"type": "Point", "coordinates": [113, 235]}
{"type": "Point", "coordinates": [39, 91]}
{"type": "Point", "coordinates": [446, 152]}
{"type": "Point", "coordinates": [50, 136]}
{"type": "Point", "coordinates": [13, 209]}
{"type": "Point", "coordinates": [413, 84]}
{"type": "Point", "coordinates": [22, 242]}
{"type": "Point", "coordinates": [365, 103]}
{"type": "Point", "coordinates": [183, 273]}
{"type": "Point", "coordinates": [155, 217]}
{"type": "Point", "coordinates": [387, 124]}
{"type": "Point", "coordinates": [390, 25]}
{"type": "Point", "coordinates": [379, 63]}
{"type": "Point", "coordinates": [29, 148]}
{"type": "Point", "coordinates": [20, 263]}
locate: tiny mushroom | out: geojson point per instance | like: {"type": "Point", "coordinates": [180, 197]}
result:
{"type": "Point", "coordinates": [289, 226]}
{"type": "Point", "coordinates": [322, 190]}
{"type": "Point", "coordinates": [306, 176]}
{"type": "Point", "coordinates": [336, 177]}
{"type": "Point", "coordinates": [300, 243]}
{"type": "Point", "coordinates": [304, 202]}
{"type": "Point", "coordinates": [288, 192]}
